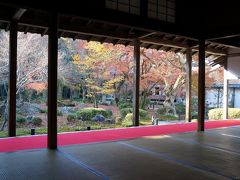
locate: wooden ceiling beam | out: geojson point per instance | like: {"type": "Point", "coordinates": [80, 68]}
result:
{"type": "Point", "coordinates": [148, 46]}
{"type": "Point", "coordinates": [178, 50]}
{"type": "Point", "coordinates": [102, 40]}
{"type": "Point", "coordinates": [85, 31]}
{"type": "Point", "coordinates": [89, 38]}
{"type": "Point", "coordinates": [127, 43]}
{"type": "Point", "coordinates": [194, 52]}
{"type": "Point", "coordinates": [168, 49]}
{"type": "Point", "coordinates": [175, 44]}
{"type": "Point", "coordinates": [215, 51]}
{"type": "Point", "coordinates": [26, 29]}
{"type": "Point", "coordinates": [164, 42]}
{"type": "Point", "coordinates": [76, 36]}
{"type": "Point", "coordinates": [7, 27]}
{"type": "Point", "coordinates": [18, 14]}
{"type": "Point", "coordinates": [224, 37]}
{"type": "Point", "coordinates": [113, 35]}
{"type": "Point", "coordinates": [147, 35]}
{"type": "Point", "coordinates": [116, 41]}
{"type": "Point", "coordinates": [44, 31]}
{"type": "Point", "coordinates": [95, 32]}
{"type": "Point", "coordinates": [60, 34]}
{"type": "Point", "coordinates": [159, 47]}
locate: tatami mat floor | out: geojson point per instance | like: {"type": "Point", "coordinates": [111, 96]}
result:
{"type": "Point", "coordinates": [214, 154]}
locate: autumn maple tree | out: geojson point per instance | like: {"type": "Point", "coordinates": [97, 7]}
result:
{"type": "Point", "coordinates": [31, 64]}
{"type": "Point", "coordinates": [99, 76]}
{"type": "Point", "coordinates": [99, 69]}
{"type": "Point", "coordinates": [106, 68]}
{"type": "Point", "coordinates": [161, 67]}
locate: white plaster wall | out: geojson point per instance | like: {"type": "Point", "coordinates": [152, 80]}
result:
{"type": "Point", "coordinates": [234, 64]}
{"type": "Point", "coordinates": [237, 98]}
{"type": "Point", "coordinates": [211, 98]}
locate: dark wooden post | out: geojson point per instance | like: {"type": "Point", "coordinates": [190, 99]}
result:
{"type": "Point", "coordinates": [225, 90]}
{"type": "Point", "coordinates": [201, 85]}
{"type": "Point", "coordinates": [12, 79]}
{"type": "Point", "coordinates": [52, 80]}
{"type": "Point", "coordinates": [136, 82]}
{"type": "Point", "coordinates": [189, 85]}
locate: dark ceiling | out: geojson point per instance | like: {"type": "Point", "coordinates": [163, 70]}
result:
{"type": "Point", "coordinates": [216, 21]}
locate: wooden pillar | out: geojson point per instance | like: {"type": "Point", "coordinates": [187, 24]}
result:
{"type": "Point", "coordinates": [188, 113]}
{"type": "Point", "coordinates": [12, 79]}
{"type": "Point", "coordinates": [136, 82]}
{"type": "Point", "coordinates": [225, 90]}
{"type": "Point", "coordinates": [201, 85]}
{"type": "Point", "coordinates": [52, 80]}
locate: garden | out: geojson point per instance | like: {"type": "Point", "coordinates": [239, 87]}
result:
{"type": "Point", "coordinates": [95, 83]}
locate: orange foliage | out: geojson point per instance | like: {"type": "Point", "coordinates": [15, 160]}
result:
{"type": "Point", "coordinates": [39, 87]}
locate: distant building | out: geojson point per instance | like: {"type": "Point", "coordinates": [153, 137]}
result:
{"type": "Point", "coordinates": [214, 95]}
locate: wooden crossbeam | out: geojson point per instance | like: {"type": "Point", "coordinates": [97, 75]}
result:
{"type": "Point", "coordinates": [120, 35]}
{"type": "Point", "coordinates": [18, 14]}
{"type": "Point", "coordinates": [164, 42]}
{"type": "Point", "coordinates": [180, 45]}
{"type": "Point", "coordinates": [44, 32]}
{"type": "Point", "coordinates": [95, 32]}
{"type": "Point", "coordinates": [26, 29]}
{"type": "Point", "coordinates": [147, 35]}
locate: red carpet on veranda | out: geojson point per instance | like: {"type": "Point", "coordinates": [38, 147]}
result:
{"type": "Point", "coordinates": [40, 141]}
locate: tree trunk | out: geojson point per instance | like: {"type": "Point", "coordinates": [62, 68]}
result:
{"type": "Point", "coordinates": [95, 101]}
{"type": "Point", "coordinates": [116, 97]}
{"type": "Point", "coordinates": [5, 116]}
{"type": "Point", "coordinates": [59, 91]}
{"type": "Point", "coordinates": [169, 103]}
{"type": "Point", "coordinates": [143, 99]}
{"type": "Point", "coordinates": [170, 94]}
{"type": "Point", "coordinates": [126, 92]}
{"type": "Point", "coordinates": [84, 92]}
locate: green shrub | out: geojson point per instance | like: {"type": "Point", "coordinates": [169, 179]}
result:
{"type": "Point", "coordinates": [109, 113]}
{"type": "Point", "coordinates": [142, 113]}
{"type": "Point", "coordinates": [215, 113]}
{"type": "Point", "coordinates": [20, 119]}
{"type": "Point", "coordinates": [123, 100]}
{"type": "Point", "coordinates": [67, 103]}
{"type": "Point", "coordinates": [127, 121]}
{"type": "Point", "coordinates": [161, 110]}
{"type": "Point", "coordinates": [125, 111]}
{"type": "Point", "coordinates": [125, 105]}
{"type": "Point", "coordinates": [43, 111]}
{"type": "Point", "coordinates": [194, 115]}
{"type": "Point", "coordinates": [167, 117]}
{"type": "Point", "coordinates": [71, 117]}
{"type": "Point", "coordinates": [180, 108]}
{"type": "Point", "coordinates": [194, 120]}
{"type": "Point", "coordinates": [37, 121]}
{"type": "Point", "coordinates": [118, 119]}
{"type": "Point", "coordinates": [59, 113]}
{"type": "Point", "coordinates": [86, 114]}
{"type": "Point", "coordinates": [233, 113]}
